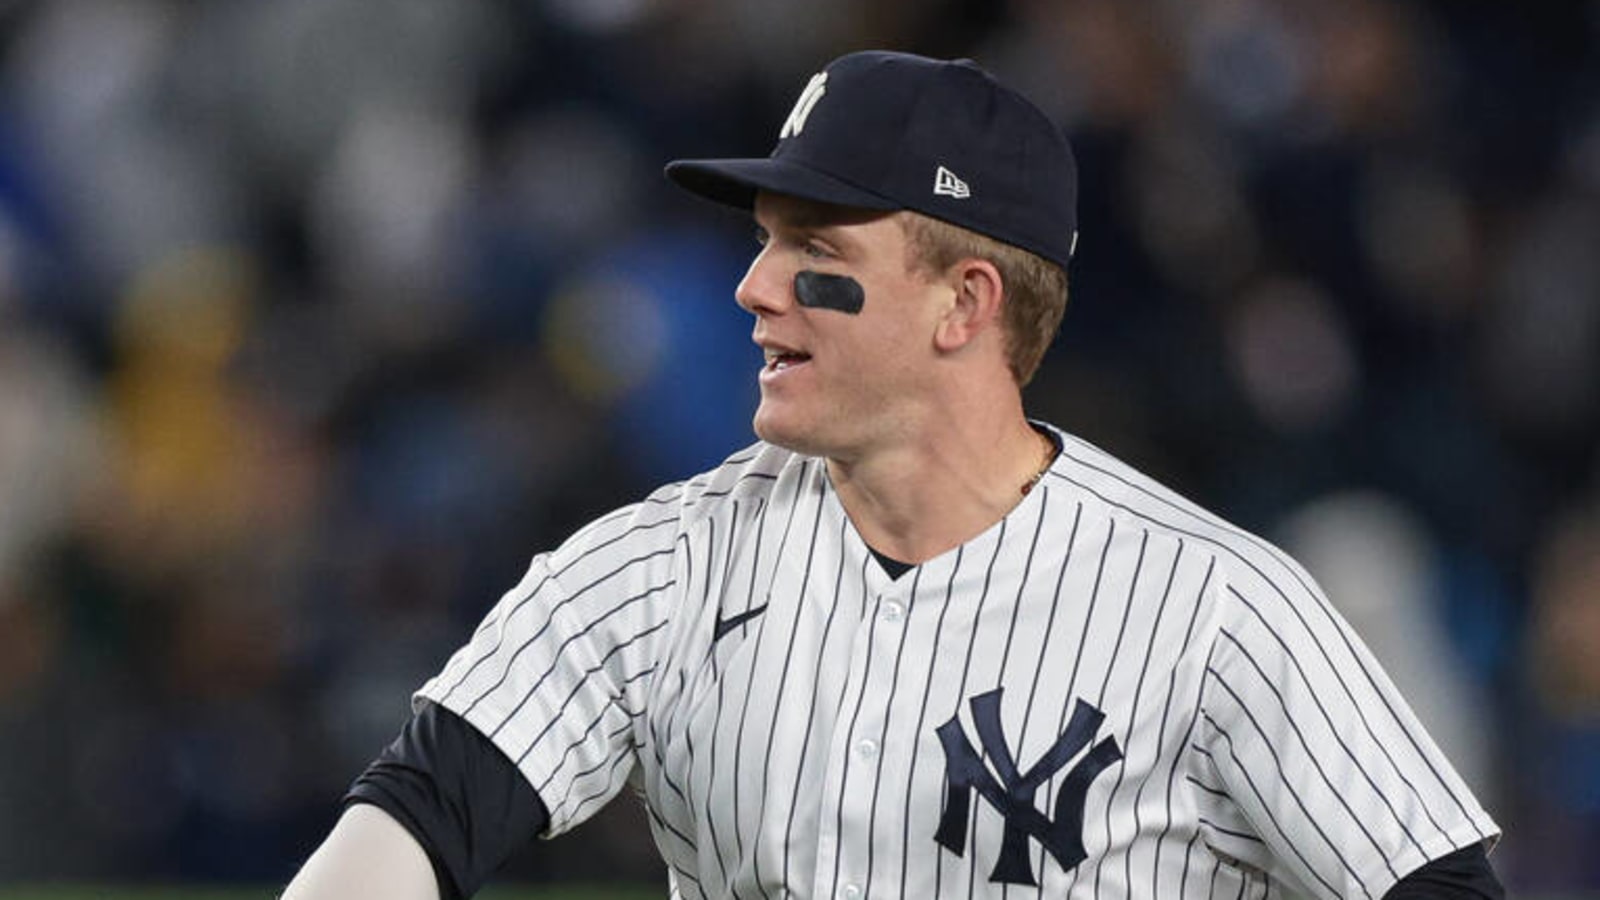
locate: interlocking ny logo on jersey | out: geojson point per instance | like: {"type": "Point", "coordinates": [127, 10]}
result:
{"type": "Point", "coordinates": [1012, 793]}
{"type": "Point", "coordinates": [815, 88]}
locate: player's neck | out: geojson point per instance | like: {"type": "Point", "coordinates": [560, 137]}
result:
{"type": "Point", "coordinates": [922, 499]}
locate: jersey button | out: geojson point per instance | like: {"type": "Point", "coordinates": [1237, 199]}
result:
{"type": "Point", "coordinates": [868, 748]}
{"type": "Point", "coordinates": [851, 892]}
{"type": "Point", "coordinates": [893, 612]}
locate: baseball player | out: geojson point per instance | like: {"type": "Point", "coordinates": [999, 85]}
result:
{"type": "Point", "coordinates": [912, 643]}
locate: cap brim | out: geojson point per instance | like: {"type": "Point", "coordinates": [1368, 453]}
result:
{"type": "Point", "coordinates": [735, 182]}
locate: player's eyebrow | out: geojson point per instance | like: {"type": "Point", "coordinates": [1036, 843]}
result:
{"type": "Point", "coordinates": [808, 218]}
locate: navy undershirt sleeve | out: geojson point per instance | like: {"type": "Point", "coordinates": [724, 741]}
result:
{"type": "Point", "coordinates": [459, 796]}
{"type": "Point", "coordinates": [1462, 875]}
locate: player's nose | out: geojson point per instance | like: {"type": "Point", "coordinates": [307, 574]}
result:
{"type": "Point", "coordinates": [764, 290]}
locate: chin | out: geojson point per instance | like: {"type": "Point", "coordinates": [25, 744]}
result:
{"type": "Point", "coordinates": [783, 431]}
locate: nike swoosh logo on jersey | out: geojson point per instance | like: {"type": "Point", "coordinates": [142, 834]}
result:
{"type": "Point", "coordinates": [726, 625]}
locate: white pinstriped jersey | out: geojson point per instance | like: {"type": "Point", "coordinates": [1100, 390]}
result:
{"type": "Point", "coordinates": [1109, 693]}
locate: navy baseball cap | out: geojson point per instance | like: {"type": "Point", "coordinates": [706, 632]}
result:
{"type": "Point", "coordinates": [885, 130]}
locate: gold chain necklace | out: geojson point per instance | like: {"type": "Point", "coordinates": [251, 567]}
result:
{"type": "Point", "coordinates": [1049, 459]}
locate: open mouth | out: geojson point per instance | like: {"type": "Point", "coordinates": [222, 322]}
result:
{"type": "Point", "coordinates": [777, 362]}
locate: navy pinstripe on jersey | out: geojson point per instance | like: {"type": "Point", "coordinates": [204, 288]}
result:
{"type": "Point", "coordinates": [732, 648]}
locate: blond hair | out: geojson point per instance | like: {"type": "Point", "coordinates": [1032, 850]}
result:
{"type": "Point", "coordinates": [1035, 288]}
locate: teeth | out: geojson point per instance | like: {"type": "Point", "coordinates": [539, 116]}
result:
{"type": "Point", "coordinates": [780, 359]}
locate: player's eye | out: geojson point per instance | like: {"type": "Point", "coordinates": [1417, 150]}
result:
{"type": "Point", "coordinates": [762, 237]}
{"type": "Point", "coordinates": [816, 250]}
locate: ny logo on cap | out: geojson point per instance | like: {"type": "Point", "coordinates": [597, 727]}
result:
{"type": "Point", "coordinates": [813, 92]}
{"type": "Point", "coordinates": [945, 183]}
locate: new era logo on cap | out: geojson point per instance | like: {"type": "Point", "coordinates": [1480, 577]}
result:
{"type": "Point", "coordinates": [946, 184]}
{"type": "Point", "coordinates": [893, 122]}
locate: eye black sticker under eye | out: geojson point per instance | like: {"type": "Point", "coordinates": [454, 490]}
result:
{"type": "Point", "coordinates": [819, 290]}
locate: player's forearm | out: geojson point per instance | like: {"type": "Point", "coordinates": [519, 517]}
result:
{"type": "Point", "coordinates": [367, 855]}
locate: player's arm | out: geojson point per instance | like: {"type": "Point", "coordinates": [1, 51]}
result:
{"type": "Point", "coordinates": [1321, 757]}
{"type": "Point", "coordinates": [367, 855]}
{"type": "Point", "coordinates": [1462, 875]}
{"type": "Point", "coordinates": [441, 797]}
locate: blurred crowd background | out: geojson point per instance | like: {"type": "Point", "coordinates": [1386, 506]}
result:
{"type": "Point", "coordinates": [319, 317]}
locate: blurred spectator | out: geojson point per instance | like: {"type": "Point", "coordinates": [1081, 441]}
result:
{"type": "Point", "coordinates": [1557, 776]}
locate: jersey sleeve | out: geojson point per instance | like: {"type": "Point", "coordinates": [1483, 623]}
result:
{"type": "Point", "coordinates": [1310, 765]}
{"type": "Point", "coordinates": [557, 672]}
{"type": "Point", "coordinates": [457, 794]}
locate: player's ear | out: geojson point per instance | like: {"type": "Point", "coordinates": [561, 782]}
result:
{"type": "Point", "coordinates": [976, 305]}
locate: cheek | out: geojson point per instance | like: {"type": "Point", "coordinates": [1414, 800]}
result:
{"type": "Point", "coordinates": [883, 352]}
{"type": "Point", "coordinates": [884, 338]}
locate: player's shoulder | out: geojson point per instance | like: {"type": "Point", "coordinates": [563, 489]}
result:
{"type": "Point", "coordinates": [744, 481]}
{"type": "Point", "coordinates": [749, 476]}
{"type": "Point", "coordinates": [1247, 565]}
